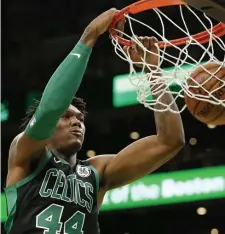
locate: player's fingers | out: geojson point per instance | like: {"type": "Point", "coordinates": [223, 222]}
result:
{"type": "Point", "coordinates": [152, 45]}
{"type": "Point", "coordinates": [120, 27]}
{"type": "Point", "coordinates": [140, 39]}
{"type": "Point", "coordinates": [153, 41]}
{"type": "Point", "coordinates": [139, 46]}
{"type": "Point", "coordinates": [134, 53]}
{"type": "Point", "coordinates": [199, 69]}
{"type": "Point", "coordinates": [146, 42]}
{"type": "Point", "coordinates": [130, 51]}
{"type": "Point", "coordinates": [133, 48]}
{"type": "Point", "coordinates": [111, 13]}
{"type": "Point", "coordinates": [126, 49]}
{"type": "Point", "coordinates": [121, 24]}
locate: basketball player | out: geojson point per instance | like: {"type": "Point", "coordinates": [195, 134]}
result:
{"type": "Point", "coordinates": [47, 189]}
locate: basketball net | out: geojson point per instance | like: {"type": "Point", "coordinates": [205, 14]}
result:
{"type": "Point", "coordinates": [150, 83]}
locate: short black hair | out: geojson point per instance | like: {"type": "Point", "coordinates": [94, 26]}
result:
{"type": "Point", "coordinates": [76, 101]}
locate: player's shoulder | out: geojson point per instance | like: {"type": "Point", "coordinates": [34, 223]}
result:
{"type": "Point", "coordinates": [12, 148]}
{"type": "Point", "coordinates": [15, 140]}
{"type": "Point", "coordinates": [14, 143]}
{"type": "Point", "coordinates": [100, 162]}
{"type": "Point", "coordinates": [101, 159]}
{"type": "Point", "coordinates": [14, 152]}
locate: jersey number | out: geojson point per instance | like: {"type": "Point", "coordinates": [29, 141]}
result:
{"type": "Point", "coordinates": [49, 220]}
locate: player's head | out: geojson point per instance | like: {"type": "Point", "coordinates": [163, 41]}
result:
{"type": "Point", "coordinates": [69, 133]}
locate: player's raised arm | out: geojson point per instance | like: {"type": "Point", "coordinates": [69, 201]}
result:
{"type": "Point", "coordinates": [149, 153]}
{"type": "Point", "coordinates": [58, 94]}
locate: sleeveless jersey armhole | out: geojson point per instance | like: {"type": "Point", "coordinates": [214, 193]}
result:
{"type": "Point", "coordinates": [11, 192]}
{"type": "Point", "coordinates": [96, 176]}
{"type": "Point", "coordinates": [31, 176]}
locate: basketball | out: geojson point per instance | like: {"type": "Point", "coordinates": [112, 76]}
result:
{"type": "Point", "coordinates": [206, 112]}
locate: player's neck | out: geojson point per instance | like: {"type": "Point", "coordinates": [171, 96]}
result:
{"type": "Point", "coordinates": [70, 159]}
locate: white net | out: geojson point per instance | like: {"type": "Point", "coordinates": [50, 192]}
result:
{"type": "Point", "coordinates": [176, 80]}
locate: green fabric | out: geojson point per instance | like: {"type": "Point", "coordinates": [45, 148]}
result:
{"type": "Point", "coordinates": [11, 198]}
{"type": "Point", "coordinates": [30, 177]}
{"type": "Point", "coordinates": [11, 192]}
{"type": "Point", "coordinates": [59, 92]}
{"type": "Point", "coordinates": [3, 205]}
{"type": "Point", "coordinates": [96, 176]}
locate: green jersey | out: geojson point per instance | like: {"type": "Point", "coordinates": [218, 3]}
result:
{"type": "Point", "coordinates": [55, 199]}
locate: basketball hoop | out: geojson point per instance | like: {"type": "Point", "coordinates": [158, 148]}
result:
{"type": "Point", "coordinates": [205, 40]}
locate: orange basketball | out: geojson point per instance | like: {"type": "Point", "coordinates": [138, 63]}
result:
{"type": "Point", "coordinates": [206, 112]}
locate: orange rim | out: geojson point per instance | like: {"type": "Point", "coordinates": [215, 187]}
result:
{"type": "Point", "coordinates": [143, 5]}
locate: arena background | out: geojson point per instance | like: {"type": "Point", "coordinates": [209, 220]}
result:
{"type": "Point", "coordinates": [36, 36]}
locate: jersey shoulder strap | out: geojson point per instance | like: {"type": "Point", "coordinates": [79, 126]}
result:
{"type": "Point", "coordinates": [11, 191]}
{"type": "Point", "coordinates": [42, 163]}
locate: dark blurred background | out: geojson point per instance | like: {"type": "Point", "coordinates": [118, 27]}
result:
{"type": "Point", "coordinates": [36, 36]}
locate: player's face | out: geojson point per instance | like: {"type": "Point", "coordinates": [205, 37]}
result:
{"type": "Point", "coordinates": [69, 133]}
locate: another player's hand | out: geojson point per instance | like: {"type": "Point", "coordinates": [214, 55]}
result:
{"type": "Point", "coordinates": [98, 26]}
{"type": "Point", "coordinates": [136, 52]}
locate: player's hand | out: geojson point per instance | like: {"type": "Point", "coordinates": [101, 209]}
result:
{"type": "Point", "coordinates": [136, 52]}
{"type": "Point", "coordinates": [98, 26]}
{"type": "Point", "coordinates": [102, 22]}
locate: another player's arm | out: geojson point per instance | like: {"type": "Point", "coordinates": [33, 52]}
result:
{"type": "Point", "coordinates": [147, 154]}
{"type": "Point", "coordinates": [57, 95]}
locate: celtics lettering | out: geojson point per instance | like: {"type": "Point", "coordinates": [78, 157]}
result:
{"type": "Point", "coordinates": [67, 188]}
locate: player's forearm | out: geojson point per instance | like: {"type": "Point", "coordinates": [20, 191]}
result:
{"type": "Point", "coordinates": [59, 92]}
{"type": "Point", "coordinates": [169, 125]}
